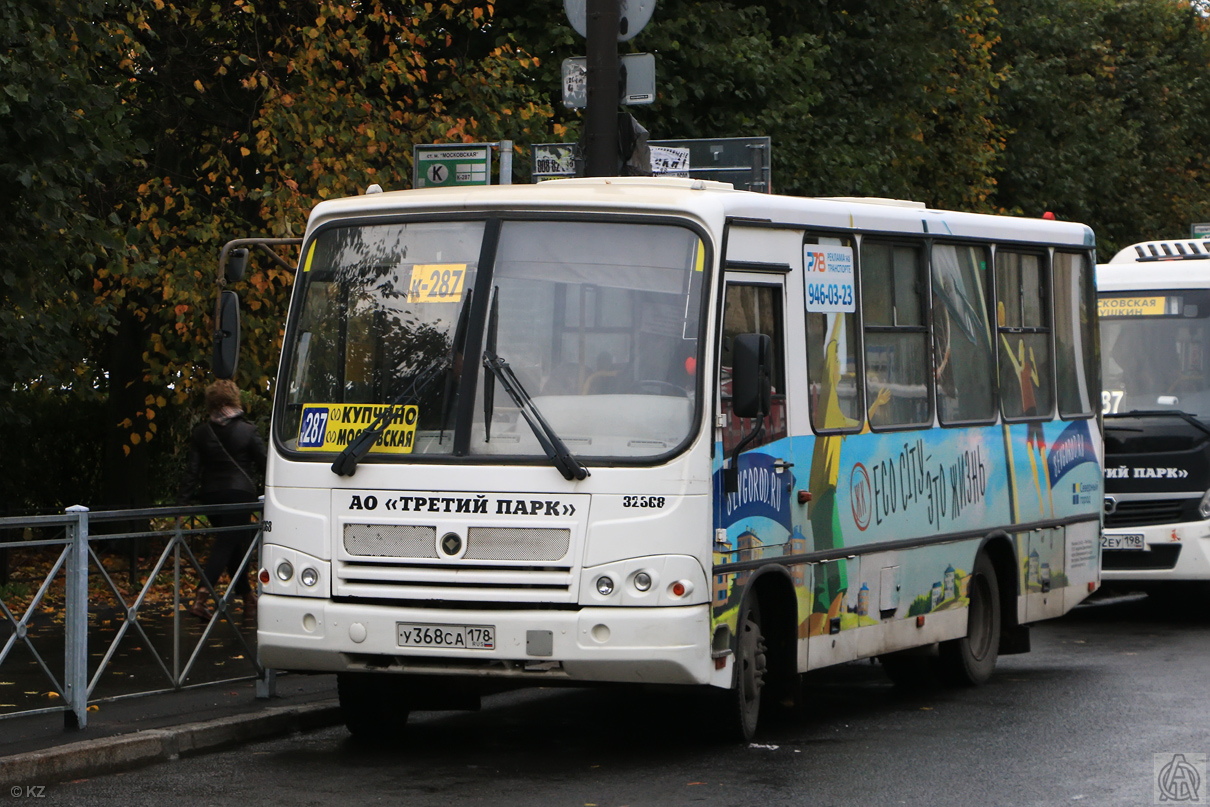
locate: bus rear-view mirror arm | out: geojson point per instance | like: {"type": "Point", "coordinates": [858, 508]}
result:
{"type": "Point", "coordinates": [232, 265]}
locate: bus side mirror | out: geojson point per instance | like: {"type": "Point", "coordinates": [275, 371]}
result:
{"type": "Point", "coordinates": [226, 335]}
{"type": "Point", "coordinates": [751, 387]}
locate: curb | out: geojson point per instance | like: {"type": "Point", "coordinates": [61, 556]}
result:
{"type": "Point", "coordinates": [110, 754]}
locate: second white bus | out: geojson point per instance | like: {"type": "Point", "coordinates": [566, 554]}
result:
{"type": "Point", "coordinates": [1154, 300]}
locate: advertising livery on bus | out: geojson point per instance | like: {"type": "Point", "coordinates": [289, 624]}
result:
{"type": "Point", "coordinates": [1154, 301]}
{"type": "Point", "coordinates": [659, 431]}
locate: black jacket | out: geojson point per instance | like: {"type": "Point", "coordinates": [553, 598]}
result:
{"type": "Point", "coordinates": [223, 458]}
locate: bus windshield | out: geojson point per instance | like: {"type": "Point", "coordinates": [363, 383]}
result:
{"type": "Point", "coordinates": [597, 321]}
{"type": "Point", "coordinates": [1155, 347]}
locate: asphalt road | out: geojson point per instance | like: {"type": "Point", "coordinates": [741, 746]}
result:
{"type": "Point", "coordinates": [1108, 698]}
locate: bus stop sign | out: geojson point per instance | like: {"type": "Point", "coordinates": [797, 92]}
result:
{"type": "Point", "coordinates": [451, 166]}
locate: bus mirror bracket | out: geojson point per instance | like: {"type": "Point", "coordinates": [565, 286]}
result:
{"type": "Point", "coordinates": [751, 392]}
{"type": "Point", "coordinates": [237, 265]}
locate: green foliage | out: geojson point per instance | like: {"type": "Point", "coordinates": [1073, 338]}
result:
{"type": "Point", "coordinates": [54, 439]}
{"type": "Point", "coordinates": [1105, 101]}
{"type": "Point", "coordinates": [233, 119]}
{"type": "Point", "coordinates": [167, 127]}
{"type": "Point", "coordinates": [63, 134]}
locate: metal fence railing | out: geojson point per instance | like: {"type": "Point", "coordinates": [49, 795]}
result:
{"type": "Point", "coordinates": [94, 609]}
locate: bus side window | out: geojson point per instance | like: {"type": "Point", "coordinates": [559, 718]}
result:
{"type": "Point", "coordinates": [898, 393]}
{"type": "Point", "coordinates": [753, 309]}
{"type": "Point", "coordinates": [964, 363]}
{"type": "Point", "coordinates": [1023, 335]}
{"type": "Point", "coordinates": [1075, 334]}
{"type": "Point", "coordinates": [833, 353]}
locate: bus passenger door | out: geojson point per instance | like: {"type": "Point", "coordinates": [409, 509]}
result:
{"type": "Point", "coordinates": [758, 515]}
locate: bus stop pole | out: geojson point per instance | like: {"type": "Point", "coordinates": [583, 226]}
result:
{"type": "Point", "coordinates": [601, 113]}
{"type": "Point", "coordinates": [505, 147]}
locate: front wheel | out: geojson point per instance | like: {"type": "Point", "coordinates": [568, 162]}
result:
{"type": "Point", "coordinates": [742, 701]}
{"type": "Point", "coordinates": [969, 661]}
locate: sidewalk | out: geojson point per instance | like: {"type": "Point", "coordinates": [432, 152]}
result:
{"type": "Point", "coordinates": [38, 750]}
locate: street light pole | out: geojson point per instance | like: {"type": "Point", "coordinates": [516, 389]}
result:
{"type": "Point", "coordinates": [601, 114]}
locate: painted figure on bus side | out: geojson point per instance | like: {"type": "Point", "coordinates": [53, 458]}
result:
{"type": "Point", "coordinates": [825, 476]}
{"type": "Point", "coordinates": [1025, 369]}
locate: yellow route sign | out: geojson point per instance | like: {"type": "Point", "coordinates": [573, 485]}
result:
{"type": "Point", "coordinates": [1132, 306]}
{"type": "Point", "coordinates": [331, 427]}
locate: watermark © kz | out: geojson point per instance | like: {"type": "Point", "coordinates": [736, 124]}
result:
{"type": "Point", "coordinates": [1179, 779]}
{"type": "Point", "coordinates": [28, 791]}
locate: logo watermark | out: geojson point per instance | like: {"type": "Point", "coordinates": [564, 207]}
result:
{"type": "Point", "coordinates": [1179, 779]}
{"type": "Point", "coordinates": [27, 791]}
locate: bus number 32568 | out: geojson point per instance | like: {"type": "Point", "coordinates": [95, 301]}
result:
{"type": "Point", "coordinates": [643, 501]}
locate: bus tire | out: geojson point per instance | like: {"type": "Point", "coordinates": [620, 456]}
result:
{"type": "Point", "coordinates": [970, 660]}
{"type": "Point", "coordinates": [374, 705]}
{"type": "Point", "coordinates": [742, 703]}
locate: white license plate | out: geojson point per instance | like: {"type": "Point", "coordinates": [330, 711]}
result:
{"type": "Point", "coordinates": [458, 637]}
{"type": "Point", "coordinates": [1130, 541]}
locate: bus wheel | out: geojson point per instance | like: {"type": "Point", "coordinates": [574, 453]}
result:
{"type": "Point", "coordinates": [743, 700]}
{"type": "Point", "coordinates": [970, 660]}
{"type": "Point", "coordinates": [374, 705]}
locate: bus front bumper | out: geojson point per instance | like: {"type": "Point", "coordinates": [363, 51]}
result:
{"type": "Point", "coordinates": [1173, 552]}
{"type": "Point", "coordinates": [630, 645]}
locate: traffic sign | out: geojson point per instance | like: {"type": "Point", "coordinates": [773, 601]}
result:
{"type": "Point", "coordinates": [633, 16]}
{"type": "Point", "coordinates": [743, 161]}
{"type": "Point", "coordinates": [443, 166]}
{"type": "Point", "coordinates": [1199, 230]}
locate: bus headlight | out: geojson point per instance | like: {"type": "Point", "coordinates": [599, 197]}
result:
{"type": "Point", "coordinates": [285, 570]}
{"type": "Point", "coordinates": [642, 581]}
{"type": "Point", "coordinates": [309, 576]}
{"type": "Point", "coordinates": [604, 585]}
{"type": "Point", "coordinates": [1203, 509]}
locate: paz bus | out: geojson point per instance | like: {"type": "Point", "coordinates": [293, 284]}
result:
{"type": "Point", "coordinates": [1154, 301]}
{"type": "Point", "coordinates": [660, 431]}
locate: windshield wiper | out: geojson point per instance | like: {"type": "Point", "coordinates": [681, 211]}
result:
{"type": "Point", "coordinates": [556, 450]}
{"type": "Point", "coordinates": [1183, 415]}
{"type": "Point", "coordinates": [345, 463]}
{"type": "Point", "coordinates": [489, 387]}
